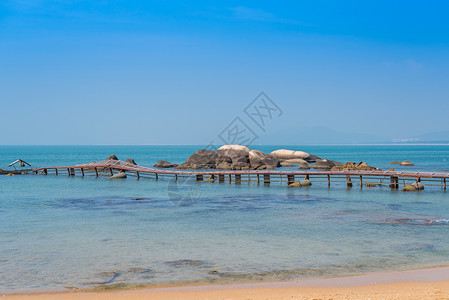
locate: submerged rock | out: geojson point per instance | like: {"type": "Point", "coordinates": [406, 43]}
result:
{"type": "Point", "coordinates": [406, 164]}
{"type": "Point", "coordinates": [395, 163]}
{"type": "Point", "coordinates": [201, 159]}
{"type": "Point", "coordinates": [163, 164]}
{"type": "Point", "coordinates": [118, 175]}
{"type": "Point", "coordinates": [301, 183]}
{"type": "Point", "coordinates": [370, 184]}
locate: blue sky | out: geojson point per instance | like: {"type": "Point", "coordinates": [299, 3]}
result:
{"type": "Point", "coordinates": [154, 72]}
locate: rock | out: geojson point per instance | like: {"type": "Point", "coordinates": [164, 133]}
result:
{"type": "Point", "coordinates": [301, 183]}
{"type": "Point", "coordinates": [370, 184]}
{"type": "Point", "coordinates": [304, 166]}
{"type": "Point", "coordinates": [118, 175]}
{"type": "Point", "coordinates": [409, 188]}
{"type": "Point", "coordinates": [324, 164]}
{"type": "Point", "coordinates": [130, 161]}
{"type": "Point", "coordinates": [351, 166]}
{"type": "Point", "coordinates": [283, 154]}
{"type": "Point", "coordinates": [395, 163]}
{"type": "Point", "coordinates": [418, 185]}
{"type": "Point", "coordinates": [238, 154]}
{"type": "Point", "coordinates": [112, 157]}
{"type": "Point", "coordinates": [201, 159]}
{"type": "Point", "coordinates": [259, 160]}
{"type": "Point", "coordinates": [391, 170]}
{"type": "Point", "coordinates": [406, 164]}
{"type": "Point", "coordinates": [286, 164]}
{"type": "Point", "coordinates": [163, 164]}
{"type": "Point", "coordinates": [295, 161]}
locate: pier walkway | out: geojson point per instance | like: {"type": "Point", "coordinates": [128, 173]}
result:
{"type": "Point", "coordinates": [392, 179]}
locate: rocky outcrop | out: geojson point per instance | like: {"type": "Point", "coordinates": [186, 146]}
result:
{"type": "Point", "coordinates": [304, 166]}
{"type": "Point", "coordinates": [259, 160]}
{"type": "Point", "coordinates": [163, 164]}
{"type": "Point", "coordinates": [395, 163]}
{"type": "Point", "coordinates": [295, 161]}
{"type": "Point", "coordinates": [201, 159]}
{"type": "Point", "coordinates": [406, 164]}
{"type": "Point", "coordinates": [325, 164]}
{"type": "Point", "coordinates": [130, 161]}
{"type": "Point", "coordinates": [370, 184]}
{"type": "Point", "coordinates": [112, 157]}
{"type": "Point", "coordinates": [351, 166]}
{"type": "Point", "coordinates": [233, 157]}
{"type": "Point", "coordinates": [300, 183]}
{"type": "Point", "coordinates": [283, 154]}
{"type": "Point", "coordinates": [416, 186]}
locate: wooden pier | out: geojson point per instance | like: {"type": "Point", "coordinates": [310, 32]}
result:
{"type": "Point", "coordinates": [392, 179]}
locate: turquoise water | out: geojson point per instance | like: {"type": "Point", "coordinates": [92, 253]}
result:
{"type": "Point", "coordinates": [83, 232]}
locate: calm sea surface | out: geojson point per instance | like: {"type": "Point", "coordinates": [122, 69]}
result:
{"type": "Point", "coordinates": [58, 232]}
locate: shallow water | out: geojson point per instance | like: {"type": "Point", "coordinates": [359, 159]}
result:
{"type": "Point", "coordinates": [61, 231]}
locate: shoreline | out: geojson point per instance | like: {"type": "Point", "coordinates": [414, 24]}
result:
{"type": "Point", "coordinates": [426, 279]}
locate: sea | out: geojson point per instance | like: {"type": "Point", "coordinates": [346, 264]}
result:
{"type": "Point", "coordinates": [81, 233]}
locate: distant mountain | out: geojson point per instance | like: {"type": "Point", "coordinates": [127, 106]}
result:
{"type": "Point", "coordinates": [319, 135]}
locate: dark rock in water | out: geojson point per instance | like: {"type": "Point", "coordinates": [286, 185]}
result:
{"type": "Point", "coordinates": [163, 164]}
{"type": "Point", "coordinates": [304, 166]}
{"type": "Point", "coordinates": [259, 160]}
{"type": "Point", "coordinates": [130, 161]}
{"type": "Point", "coordinates": [325, 164]}
{"type": "Point", "coordinates": [186, 263]}
{"type": "Point", "coordinates": [112, 157]}
{"type": "Point", "coordinates": [201, 159]}
{"type": "Point", "coordinates": [238, 154]}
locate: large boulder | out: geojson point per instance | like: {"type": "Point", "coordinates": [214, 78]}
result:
{"type": "Point", "coordinates": [259, 160]}
{"type": "Point", "coordinates": [300, 183]}
{"type": "Point", "coordinates": [201, 159]}
{"type": "Point", "coordinates": [131, 161]}
{"type": "Point", "coordinates": [325, 164]}
{"type": "Point", "coordinates": [238, 155]}
{"type": "Point", "coordinates": [351, 166]}
{"type": "Point", "coordinates": [163, 164]}
{"type": "Point", "coordinates": [407, 163]}
{"type": "Point", "coordinates": [283, 154]}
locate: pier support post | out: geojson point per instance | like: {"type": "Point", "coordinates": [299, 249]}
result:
{"type": "Point", "coordinates": [138, 175]}
{"type": "Point", "coordinates": [230, 178]}
{"type": "Point", "coordinates": [258, 179]}
{"type": "Point", "coordinates": [290, 179]}
{"type": "Point", "coordinates": [96, 171]}
{"type": "Point", "coordinates": [71, 171]}
{"type": "Point", "coordinates": [110, 170]}
{"type": "Point", "coordinates": [361, 181]}
{"type": "Point", "coordinates": [444, 183]}
{"type": "Point", "coordinates": [394, 182]}
{"type": "Point", "coordinates": [44, 171]}
{"type": "Point", "coordinates": [199, 177]}
{"type": "Point", "coordinates": [82, 171]}
{"type": "Point", "coordinates": [157, 176]}
{"type": "Point", "coordinates": [221, 178]}
{"type": "Point", "coordinates": [56, 171]}
{"type": "Point", "coordinates": [176, 177]}
{"type": "Point", "coordinates": [238, 178]}
{"type": "Point", "coordinates": [348, 181]}
{"type": "Point", "coordinates": [266, 178]}
{"type": "Point", "coordinates": [328, 180]}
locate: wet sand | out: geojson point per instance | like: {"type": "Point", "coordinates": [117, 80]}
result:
{"type": "Point", "coordinates": [431, 283]}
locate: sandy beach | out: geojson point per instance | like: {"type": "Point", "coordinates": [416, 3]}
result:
{"type": "Point", "coordinates": [431, 283]}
